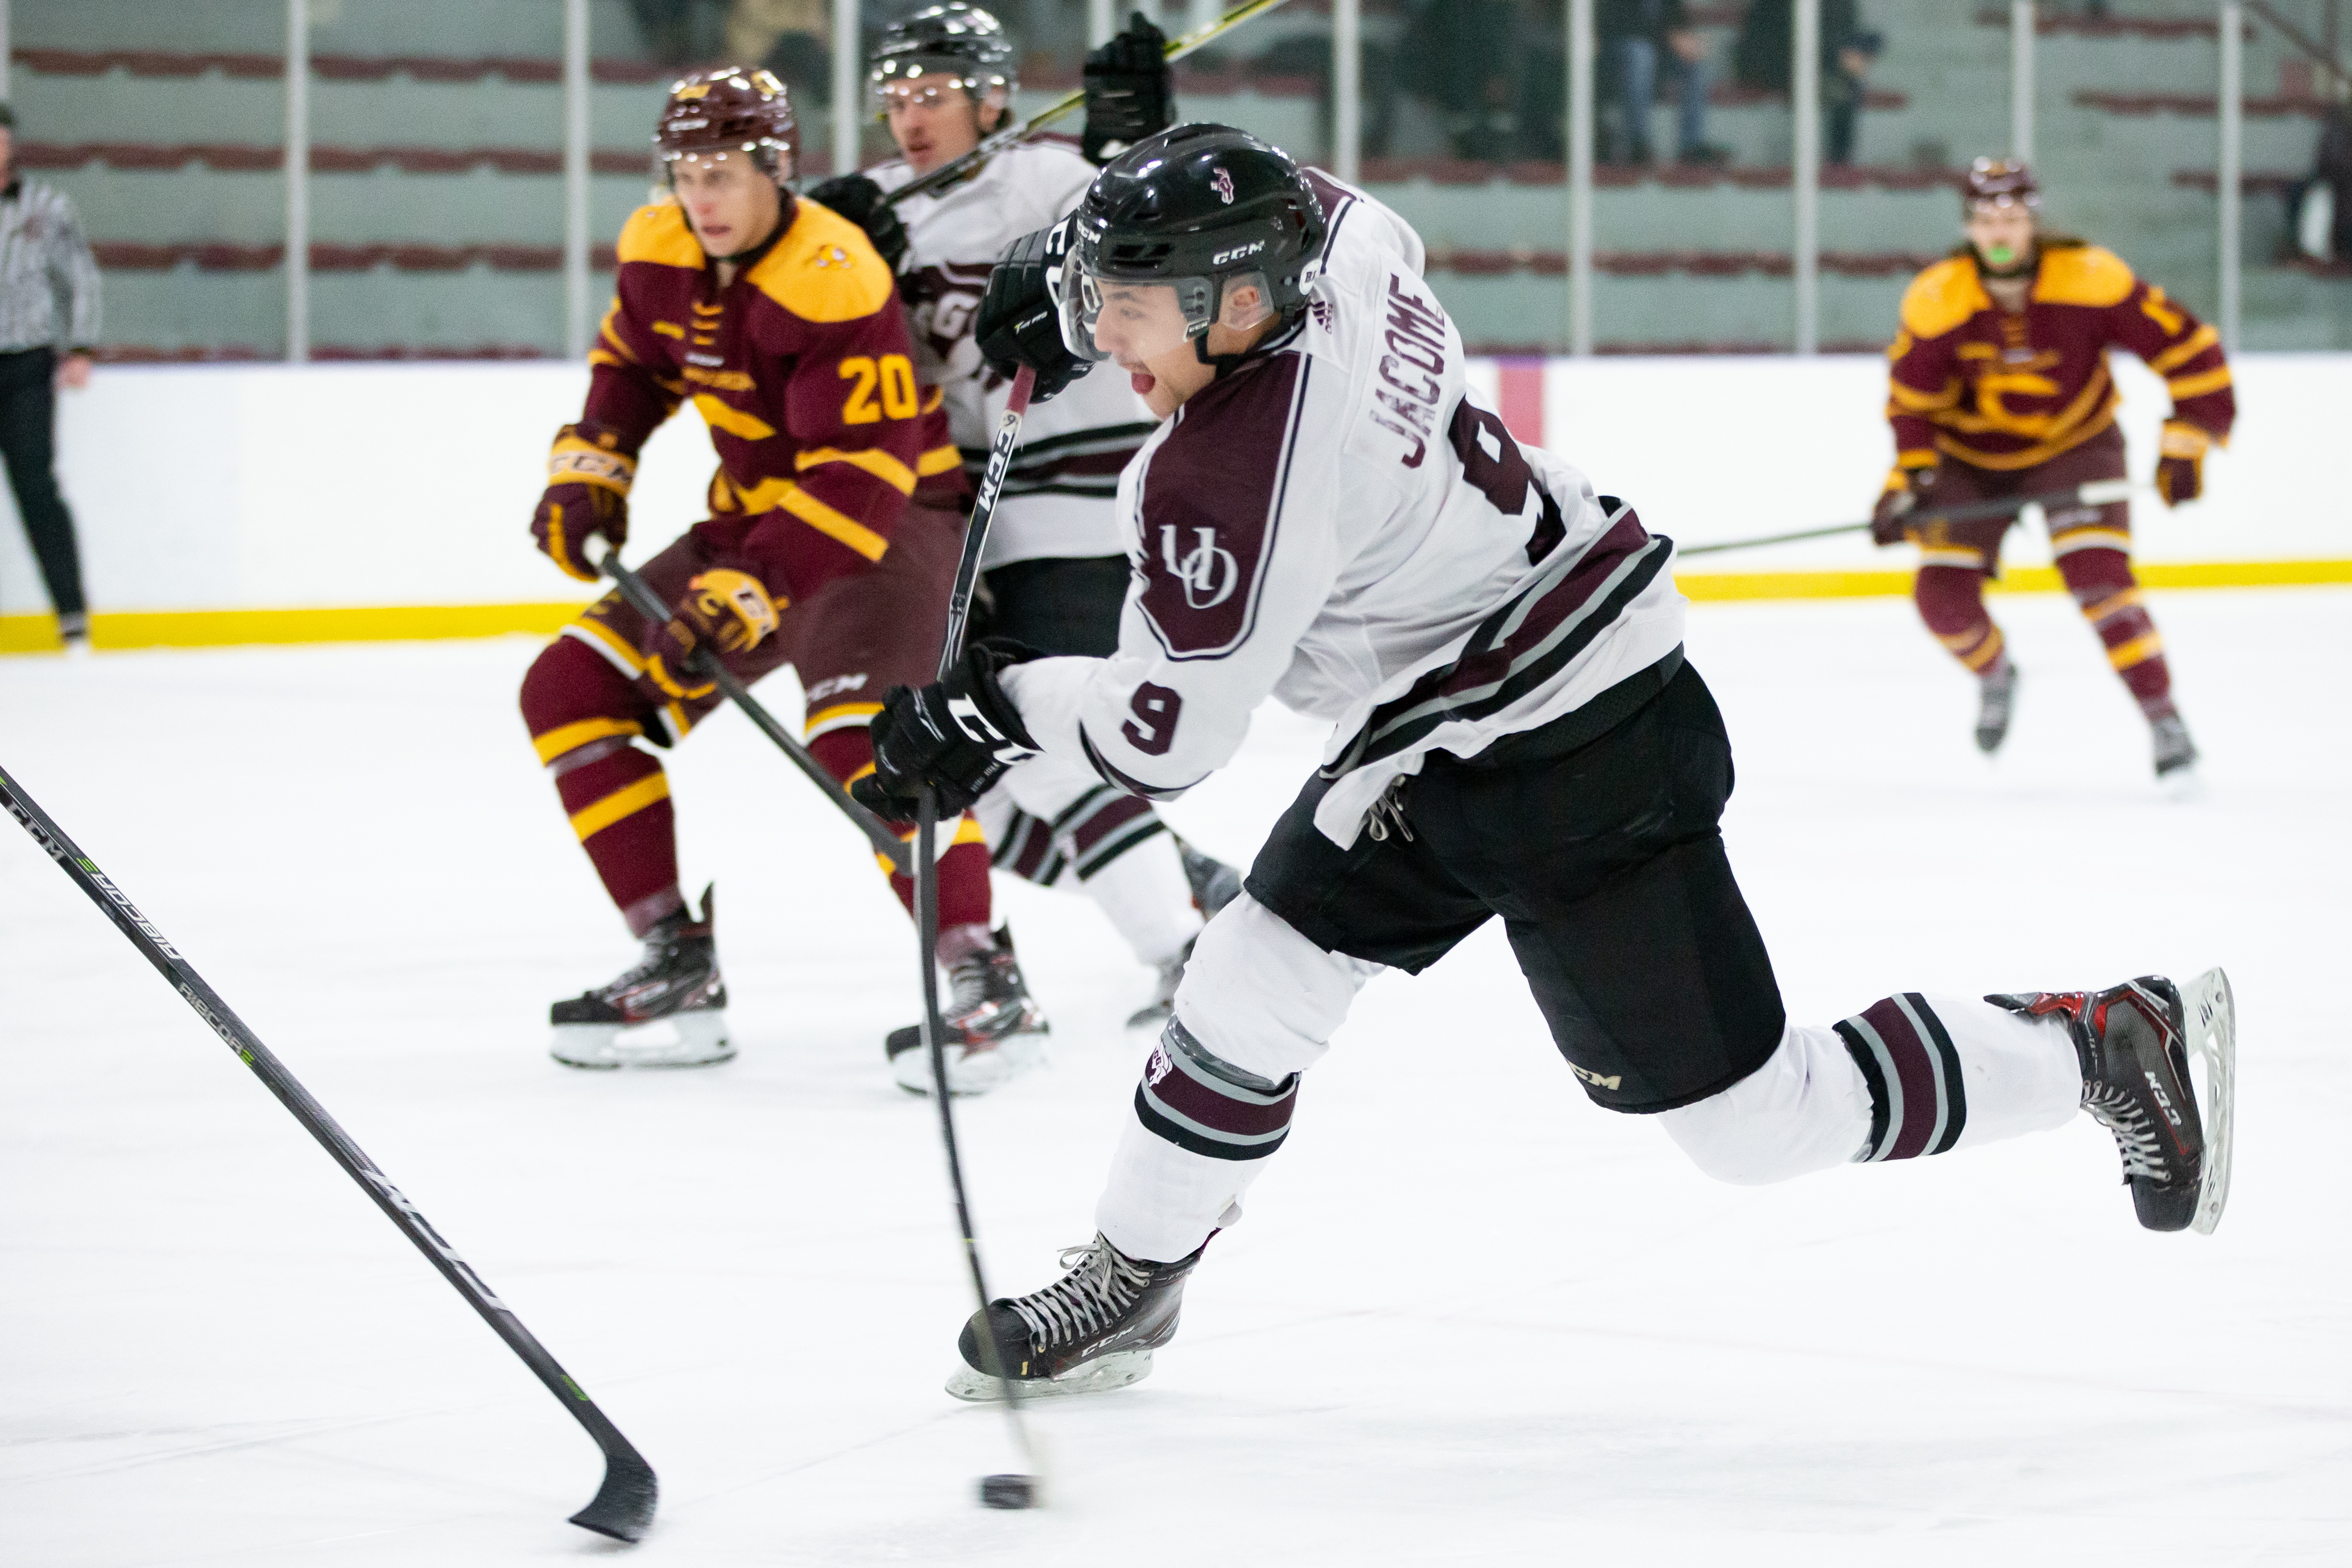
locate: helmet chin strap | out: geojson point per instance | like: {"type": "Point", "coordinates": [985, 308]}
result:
{"type": "Point", "coordinates": [1277, 327]}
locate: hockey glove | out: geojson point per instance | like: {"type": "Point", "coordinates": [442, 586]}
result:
{"type": "Point", "coordinates": [587, 494]}
{"type": "Point", "coordinates": [1130, 91]}
{"type": "Point", "coordinates": [728, 611]}
{"type": "Point", "coordinates": [1020, 318]}
{"type": "Point", "coordinates": [1908, 483]}
{"type": "Point", "coordinates": [859, 200]}
{"type": "Point", "coordinates": [2181, 465]}
{"type": "Point", "coordinates": [955, 738]}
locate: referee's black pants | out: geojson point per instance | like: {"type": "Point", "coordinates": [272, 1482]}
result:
{"type": "Point", "coordinates": [28, 410]}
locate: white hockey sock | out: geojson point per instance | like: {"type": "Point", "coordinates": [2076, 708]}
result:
{"type": "Point", "coordinates": [1908, 1075]}
{"type": "Point", "coordinates": [1144, 894]}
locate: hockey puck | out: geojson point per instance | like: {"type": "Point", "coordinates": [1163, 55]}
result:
{"type": "Point", "coordinates": [1008, 1491]}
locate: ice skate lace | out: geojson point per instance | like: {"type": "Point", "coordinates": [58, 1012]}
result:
{"type": "Point", "coordinates": [1100, 1286]}
{"type": "Point", "coordinates": [2134, 1131]}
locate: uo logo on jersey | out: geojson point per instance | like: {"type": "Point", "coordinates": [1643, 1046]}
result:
{"type": "Point", "coordinates": [1208, 571]}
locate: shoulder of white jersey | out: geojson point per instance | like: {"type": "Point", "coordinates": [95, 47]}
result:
{"type": "Point", "coordinates": [889, 176]}
{"type": "Point", "coordinates": [1364, 218]}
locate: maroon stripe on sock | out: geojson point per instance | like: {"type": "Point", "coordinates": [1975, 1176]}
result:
{"type": "Point", "coordinates": [1915, 1066]}
{"type": "Point", "coordinates": [1100, 824]}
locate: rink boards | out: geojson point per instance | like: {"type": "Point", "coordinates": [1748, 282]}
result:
{"type": "Point", "coordinates": [337, 503]}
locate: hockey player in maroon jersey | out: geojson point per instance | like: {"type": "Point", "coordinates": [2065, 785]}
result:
{"type": "Point", "coordinates": [1999, 387]}
{"type": "Point", "coordinates": [1055, 571]}
{"type": "Point", "coordinates": [831, 544]}
{"type": "Point", "coordinates": [1325, 514]}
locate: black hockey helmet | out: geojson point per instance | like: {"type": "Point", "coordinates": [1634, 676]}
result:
{"type": "Point", "coordinates": [1199, 208]}
{"type": "Point", "coordinates": [954, 45]}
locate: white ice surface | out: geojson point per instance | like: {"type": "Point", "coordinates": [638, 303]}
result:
{"type": "Point", "coordinates": [1470, 1318]}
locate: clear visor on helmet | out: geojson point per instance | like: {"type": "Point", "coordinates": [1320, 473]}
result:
{"type": "Point", "coordinates": [926, 84]}
{"type": "Point", "coordinates": [1116, 318]}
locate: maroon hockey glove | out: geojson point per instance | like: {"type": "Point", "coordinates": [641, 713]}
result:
{"type": "Point", "coordinates": [1130, 91]}
{"type": "Point", "coordinates": [587, 494]}
{"type": "Point", "coordinates": [2180, 463]}
{"type": "Point", "coordinates": [1907, 485]}
{"type": "Point", "coordinates": [726, 610]}
{"type": "Point", "coordinates": [955, 738]}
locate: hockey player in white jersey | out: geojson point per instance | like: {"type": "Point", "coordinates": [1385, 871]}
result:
{"type": "Point", "coordinates": [1326, 515]}
{"type": "Point", "coordinates": [1055, 572]}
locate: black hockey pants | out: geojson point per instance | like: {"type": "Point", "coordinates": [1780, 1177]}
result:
{"type": "Point", "coordinates": [1602, 856]}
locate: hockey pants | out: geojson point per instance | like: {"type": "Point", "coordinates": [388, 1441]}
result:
{"type": "Point", "coordinates": [1607, 868]}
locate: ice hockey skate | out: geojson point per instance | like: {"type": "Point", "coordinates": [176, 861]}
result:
{"type": "Point", "coordinates": [1215, 885]}
{"type": "Point", "coordinates": [2175, 754]}
{"type": "Point", "coordinates": [669, 1010]}
{"type": "Point", "coordinates": [1996, 696]}
{"type": "Point", "coordinates": [1162, 1005]}
{"type": "Point", "coordinates": [2134, 1041]}
{"type": "Point", "coordinates": [996, 1031]}
{"type": "Point", "coordinates": [1091, 1331]}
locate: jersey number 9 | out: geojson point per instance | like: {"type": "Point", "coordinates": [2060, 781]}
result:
{"type": "Point", "coordinates": [892, 375]}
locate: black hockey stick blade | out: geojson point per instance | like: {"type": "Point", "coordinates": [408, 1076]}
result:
{"type": "Point", "coordinates": [647, 603]}
{"type": "Point", "coordinates": [2098, 493]}
{"type": "Point", "coordinates": [623, 1505]}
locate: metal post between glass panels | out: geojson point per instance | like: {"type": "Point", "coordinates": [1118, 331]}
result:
{"type": "Point", "coordinates": [297, 181]}
{"type": "Point", "coordinates": [575, 178]}
{"type": "Point", "coordinates": [1580, 177]}
{"type": "Point", "coordinates": [1346, 88]}
{"type": "Point", "coordinates": [848, 99]}
{"type": "Point", "coordinates": [2228, 173]}
{"type": "Point", "coordinates": [1805, 174]}
{"type": "Point", "coordinates": [2021, 24]}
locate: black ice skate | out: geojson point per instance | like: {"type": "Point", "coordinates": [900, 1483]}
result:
{"type": "Point", "coordinates": [1214, 883]}
{"type": "Point", "coordinates": [996, 1031]}
{"type": "Point", "coordinates": [1996, 695]}
{"type": "Point", "coordinates": [2175, 754]}
{"type": "Point", "coordinates": [669, 1010]}
{"type": "Point", "coordinates": [1162, 1005]}
{"type": "Point", "coordinates": [1092, 1330]}
{"type": "Point", "coordinates": [2134, 1041]}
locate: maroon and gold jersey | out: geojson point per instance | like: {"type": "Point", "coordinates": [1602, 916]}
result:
{"type": "Point", "coordinates": [802, 369]}
{"type": "Point", "coordinates": [2008, 390]}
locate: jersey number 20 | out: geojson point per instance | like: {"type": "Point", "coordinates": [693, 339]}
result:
{"type": "Point", "coordinates": [892, 375]}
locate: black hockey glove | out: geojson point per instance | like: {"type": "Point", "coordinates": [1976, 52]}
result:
{"type": "Point", "coordinates": [956, 737]}
{"type": "Point", "coordinates": [1020, 318]}
{"type": "Point", "coordinates": [859, 200]}
{"type": "Point", "coordinates": [1130, 91]}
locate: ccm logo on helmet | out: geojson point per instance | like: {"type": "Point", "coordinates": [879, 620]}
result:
{"type": "Point", "coordinates": [1238, 252]}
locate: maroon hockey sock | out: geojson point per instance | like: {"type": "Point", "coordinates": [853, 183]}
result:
{"type": "Point", "coordinates": [1952, 602]}
{"type": "Point", "coordinates": [848, 756]}
{"type": "Point", "coordinates": [619, 805]}
{"type": "Point", "coordinates": [2102, 582]}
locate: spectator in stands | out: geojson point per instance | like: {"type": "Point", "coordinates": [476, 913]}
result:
{"type": "Point", "coordinates": [2331, 180]}
{"type": "Point", "coordinates": [1636, 37]}
{"type": "Point", "coordinates": [1762, 60]}
{"type": "Point", "coordinates": [1464, 69]}
{"type": "Point", "coordinates": [790, 38]}
{"type": "Point", "coordinates": [48, 324]}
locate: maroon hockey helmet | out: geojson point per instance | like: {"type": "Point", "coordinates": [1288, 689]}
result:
{"type": "Point", "coordinates": [1998, 182]}
{"type": "Point", "coordinates": [729, 109]}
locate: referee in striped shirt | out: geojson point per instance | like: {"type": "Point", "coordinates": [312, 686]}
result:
{"type": "Point", "coordinates": [49, 322]}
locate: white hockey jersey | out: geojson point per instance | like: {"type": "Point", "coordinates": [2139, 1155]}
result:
{"type": "Point", "coordinates": [1338, 524]}
{"type": "Point", "coordinates": [1058, 496]}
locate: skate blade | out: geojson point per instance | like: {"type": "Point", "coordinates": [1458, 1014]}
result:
{"type": "Point", "coordinates": [2213, 1017]}
{"type": "Point", "coordinates": [972, 1072]}
{"type": "Point", "coordinates": [2182, 786]}
{"type": "Point", "coordinates": [1100, 1375]}
{"type": "Point", "coordinates": [697, 1039]}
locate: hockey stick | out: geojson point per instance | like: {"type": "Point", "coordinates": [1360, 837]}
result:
{"type": "Point", "coordinates": [2097, 493]}
{"type": "Point", "coordinates": [955, 169]}
{"type": "Point", "coordinates": [647, 603]}
{"type": "Point", "coordinates": [1009, 1491]}
{"type": "Point", "coordinates": [622, 1507]}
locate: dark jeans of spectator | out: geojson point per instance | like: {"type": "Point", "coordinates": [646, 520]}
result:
{"type": "Point", "coordinates": [1632, 67]}
{"type": "Point", "coordinates": [28, 407]}
{"type": "Point", "coordinates": [1841, 95]}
